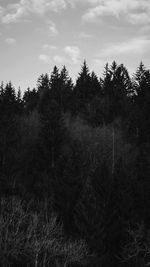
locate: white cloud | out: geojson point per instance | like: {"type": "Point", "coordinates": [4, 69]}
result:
{"type": "Point", "coordinates": [58, 59]}
{"type": "Point", "coordinates": [52, 28]}
{"type": "Point", "coordinates": [83, 35]}
{"type": "Point", "coordinates": [98, 64]}
{"type": "Point", "coordinates": [127, 52]}
{"type": "Point", "coordinates": [45, 58]}
{"type": "Point", "coordinates": [73, 52]}
{"type": "Point", "coordinates": [117, 8]}
{"type": "Point", "coordinates": [94, 9]}
{"type": "Point", "coordinates": [1, 10]}
{"type": "Point", "coordinates": [17, 11]}
{"type": "Point", "coordinates": [140, 18]}
{"type": "Point", "coordinates": [49, 47]}
{"type": "Point", "coordinates": [134, 46]}
{"type": "Point", "coordinates": [42, 6]}
{"type": "Point", "coordinates": [10, 41]}
{"type": "Point", "coordinates": [145, 29]}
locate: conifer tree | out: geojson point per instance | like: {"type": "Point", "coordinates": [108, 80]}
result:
{"type": "Point", "coordinates": [30, 100]}
{"type": "Point", "coordinates": [8, 129]}
{"type": "Point", "coordinates": [66, 90]}
{"type": "Point", "coordinates": [82, 88]}
{"type": "Point", "coordinates": [142, 102]}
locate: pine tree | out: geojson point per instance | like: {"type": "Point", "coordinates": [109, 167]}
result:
{"type": "Point", "coordinates": [82, 88]}
{"type": "Point", "coordinates": [8, 129]}
{"type": "Point", "coordinates": [55, 85]}
{"type": "Point", "coordinates": [30, 100]}
{"type": "Point", "coordinates": [19, 101]}
{"type": "Point", "coordinates": [66, 90]}
{"type": "Point", "coordinates": [142, 102]}
{"type": "Point", "coordinates": [116, 88]}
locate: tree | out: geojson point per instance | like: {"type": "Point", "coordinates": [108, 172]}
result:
{"type": "Point", "coordinates": [30, 100]}
{"type": "Point", "coordinates": [141, 99]}
{"type": "Point", "coordinates": [55, 85]}
{"type": "Point", "coordinates": [117, 86]}
{"type": "Point", "coordinates": [19, 101]}
{"type": "Point", "coordinates": [82, 88]}
{"type": "Point", "coordinates": [8, 132]}
{"type": "Point", "coordinates": [66, 90]}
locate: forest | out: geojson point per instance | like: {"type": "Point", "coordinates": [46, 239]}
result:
{"type": "Point", "coordinates": [75, 170]}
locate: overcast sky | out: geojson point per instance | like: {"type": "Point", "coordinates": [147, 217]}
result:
{"type": "Point", "coordinates": [35, 35]}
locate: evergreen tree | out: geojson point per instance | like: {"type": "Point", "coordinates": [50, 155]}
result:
{"type": "Point", "coordinates": [8, 130]}
{"type": "Point", "coordinates": [142, 103]}
{"type": "Point", "coordinates": [30, 100]}
{"type": "Point", "coordinates": [19, 101]}
{"type": "Point", "coordinates": [55, 86]}
{"type": "Point", "coordinates": [116, 88]}
{"type": "Point", "coordinates": [82, 88]}
{"type": "Point", "coordinates": [43, 83]}
{"type": "Point", "coordinates": [66, 90]}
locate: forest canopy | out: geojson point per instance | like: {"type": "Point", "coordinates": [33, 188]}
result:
{"type": "Point", "coordinates": [75, 170]}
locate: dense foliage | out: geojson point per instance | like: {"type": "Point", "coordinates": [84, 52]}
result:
{"type": "Point", "coordinates": [75, 170]}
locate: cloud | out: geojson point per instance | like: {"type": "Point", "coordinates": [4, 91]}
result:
{"type": "Point", "coordinates": [95, 9]}
{"type": "Point", "coordinates": [73, 52]}
{"type": "Point", "coordinates": [140, 18]}
{"type": "Point", "coordinates": [1, 10]}
{"type": "Point", "coordinates": [98, 64]}
{"type": "Point", "coordinates": [83, 35]}
{"type": "Point", "coordinates": [52, 28]}
{"type": "Point", "coordinates": [134, 46]}
{"type": "Point", "coordinates": [127, 52]}
{"type": "Point", "coordinates": [14, 12]}
{"type": "Point", "coordinates": [145, 28]}
{"type": "Point", "coordinates": [45, 58]}
{"type": "Point", "coordinates": [10, 41]}
{"type": "Point", "coordinates": [58, 59]}
{"type": "Point", "coordinates": [131, 9]}
{"type": "Point", "coordinates": [49, 47]}
{"type": "Point", "coordinates": [42, 6]}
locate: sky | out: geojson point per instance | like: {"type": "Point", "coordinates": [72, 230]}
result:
{"type": "Point", "coordinates": [36, 35]}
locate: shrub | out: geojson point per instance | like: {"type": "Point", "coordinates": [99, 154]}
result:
{"type": "Point", "coordinates": [31, 238]}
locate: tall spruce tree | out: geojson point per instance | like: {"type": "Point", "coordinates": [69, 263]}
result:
{"type": "Point", "coordinates": [142, 102]}
{"type": "Point", "coordinates": [66, 90]}
{"type": "Point", "coordinates": [82, 88]}
{"type": "Point", "coordinates": [8, 131]}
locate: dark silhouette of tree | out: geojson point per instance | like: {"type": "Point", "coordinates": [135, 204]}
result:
{"type": "Point", "coordinates": [142, 102]}
{"type": "Point", "coordinates": [82, 152]}
{"type": "Point", "coordinates": [30, 100]}
{"type": "Point", "coordinates": [8, 132]}
{"type": "Point", "coordinates": [116, 87]}
{"type": "Point", "coordinates": [82, 88]}
{"type": "Point", "coordinates": [66, 90]}
{"type": "Point", "coordinates": [55, 85]}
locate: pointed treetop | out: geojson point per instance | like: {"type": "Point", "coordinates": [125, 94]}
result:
{"type": "Point", "coordinates": [93, 75]}
{"type": "Point", "coordinates": [84, 69]}
{"type": "Point", "coordinates": [55, 71]}
{"type": "Point", "coordinates": [113, 66]}
{"type": "Point", "coordinates": [43, 82]}
{"type": "Point", "coordinates": [19, 93]}
{"type": "Point", "coordinates": [2, 87]}
{"type": "Point", "coordinates": [64, 73]}
{"type": "Point", "coordinates": [65, 78]}
{"type": "Point", "coordinates": [106, 70]}
{"type": "Point", "coordinates": [140, 73]}
{"type": "Point", "coordinates": [140, 70]}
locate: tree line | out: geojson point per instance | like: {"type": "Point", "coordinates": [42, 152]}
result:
{"type": "Point", "coordinates": [76, 159]}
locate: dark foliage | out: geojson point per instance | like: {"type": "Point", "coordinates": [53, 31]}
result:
{"type": "Point", "coordinates": [81, 151]}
